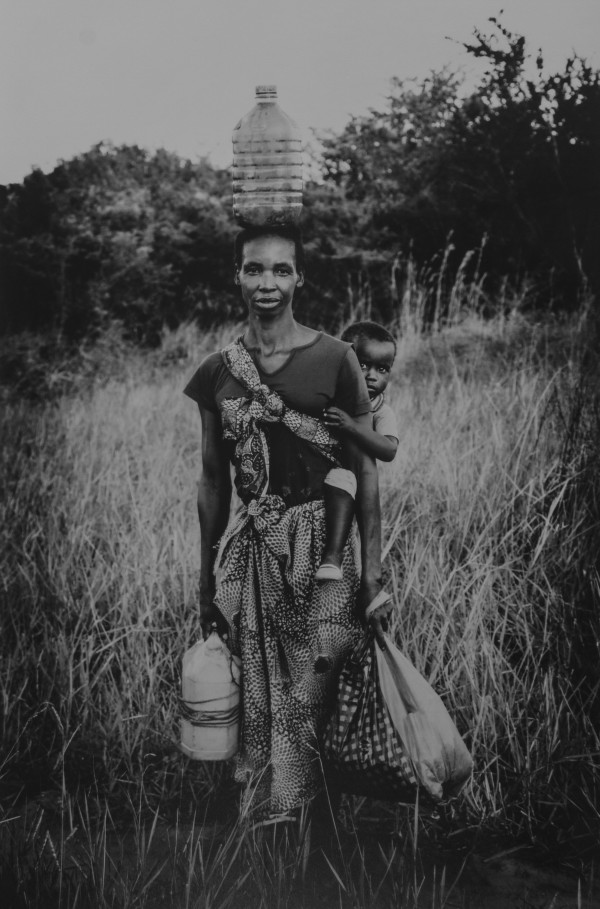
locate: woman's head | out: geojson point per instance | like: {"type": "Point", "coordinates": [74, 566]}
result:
{"type": "Point", "coordinates": [293, 234]}
{"type": "Point", "coordinates": [268, 268]}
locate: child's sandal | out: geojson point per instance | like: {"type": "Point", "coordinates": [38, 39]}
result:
{"type": "Point", "coordinates": [329, 572]}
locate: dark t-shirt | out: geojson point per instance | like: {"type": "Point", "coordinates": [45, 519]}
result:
{"type": "Point", "coordinates": [325, 371]}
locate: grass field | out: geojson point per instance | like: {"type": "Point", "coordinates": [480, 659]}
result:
{"type": "Point", "coordinates": [492, 533]}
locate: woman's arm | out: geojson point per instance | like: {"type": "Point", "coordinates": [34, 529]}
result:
{"type": "Point", "coordinates": [214, 497]}
{"type": "Point", "coordinates": [368, 439]}
{"type": "Point", "coordinates": [368, 516]}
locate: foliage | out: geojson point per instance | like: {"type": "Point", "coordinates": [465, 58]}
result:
{"type": "Point", "coordinates": [491, 526]}
{"type": "Point", "coordinates": [508, 170]}
{"type": "Point", "coordinates": [116, 233]}
{"type": "Point", "coordinates": [515, 161]}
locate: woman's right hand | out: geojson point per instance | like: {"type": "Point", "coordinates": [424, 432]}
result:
{"type": "Point", "coordinates": [210, 615]}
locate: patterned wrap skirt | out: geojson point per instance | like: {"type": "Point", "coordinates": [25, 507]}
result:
{"type": "Point", "coordinates": [280, 621]}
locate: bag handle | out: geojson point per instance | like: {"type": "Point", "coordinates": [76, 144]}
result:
{"type": "Point", "coordinates": [399, 680]}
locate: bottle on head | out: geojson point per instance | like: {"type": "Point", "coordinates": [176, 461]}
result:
{"type": "Point", "coordinates": [267, 165]}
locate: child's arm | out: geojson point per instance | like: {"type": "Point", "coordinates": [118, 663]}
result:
{"type": "Point", "coordinates": [368, 440]}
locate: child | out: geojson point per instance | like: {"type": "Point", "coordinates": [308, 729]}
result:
{"type": "Point", "coordinates": [376, 349]}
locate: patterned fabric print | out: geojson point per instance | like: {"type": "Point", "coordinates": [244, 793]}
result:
{"type": "Point", "coordinates": [267, 575]}
{"type": "Point", "coordinates": [279, 617]}
{"type": "Point", "coordinates": [241, 419]}
{"type": "Point", "coordinates": [361, 745]}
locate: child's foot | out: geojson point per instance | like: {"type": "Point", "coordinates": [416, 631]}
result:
{"type": "Point", "coordinates": [328, 572]}
{"type": "Point", "coordinates": [330, 568]}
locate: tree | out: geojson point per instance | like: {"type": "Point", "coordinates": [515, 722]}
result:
{"type": "Point", "coordinates": [514, 161]}
{"type": "Point", "coordinates": [116, 233]}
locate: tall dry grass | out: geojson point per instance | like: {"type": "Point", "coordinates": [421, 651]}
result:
{"type": "Point", "coordinates": [492, 543]}
{"type": "Point", "coordinates": [491, 512]}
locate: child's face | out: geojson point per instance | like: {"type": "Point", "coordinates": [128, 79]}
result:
{"type": "Point", "coordinates": [376, 359]}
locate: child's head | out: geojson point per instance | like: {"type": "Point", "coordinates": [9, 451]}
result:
{"type": "Point", "coordinates": [376, 349]}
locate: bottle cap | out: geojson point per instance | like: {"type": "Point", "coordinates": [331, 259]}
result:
{"type": "Point", "coordinates": [266, 92]}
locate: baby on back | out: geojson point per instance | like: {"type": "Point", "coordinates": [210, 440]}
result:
{"type": "Point", "coordinates": [376, 350]}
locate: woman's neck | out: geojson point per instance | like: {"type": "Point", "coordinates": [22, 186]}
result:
{"type": "Point", "coordinates": [276, 336]}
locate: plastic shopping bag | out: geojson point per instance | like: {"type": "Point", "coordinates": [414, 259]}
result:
{"type": "Point", "coordinates": [439, 757]}
{"type": "Point", "coordinates": [361, 748]}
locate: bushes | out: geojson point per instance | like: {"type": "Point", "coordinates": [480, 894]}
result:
{"type": "Point", "coordinates": [509, 170]}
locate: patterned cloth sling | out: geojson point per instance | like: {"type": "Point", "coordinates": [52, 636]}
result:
{"type": "Point", "coordinates": [242, 420]}
{"type": "Point", "coordinates": [279, 617]}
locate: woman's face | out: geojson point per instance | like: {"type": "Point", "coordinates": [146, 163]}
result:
{"type": "Point", "coordinates": [267, 275]}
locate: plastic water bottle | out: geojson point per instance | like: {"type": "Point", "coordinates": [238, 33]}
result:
{"type": "Point", "coordinates": [210, 701]}
{"type": "Point", "coordinates": [267, 165]}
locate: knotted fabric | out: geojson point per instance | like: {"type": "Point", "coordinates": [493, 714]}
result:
{"type": "Point", "coordinates": [243, 419]}
{"type": "Point", "coordinates": [279, 617]}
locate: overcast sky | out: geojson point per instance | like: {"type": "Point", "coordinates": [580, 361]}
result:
{"type": "Point", "coordinates": [180, 73]}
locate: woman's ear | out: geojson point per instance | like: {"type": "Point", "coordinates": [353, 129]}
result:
{"type": "Point", "coordinates": [300, 280]}
{"type": "Point", "coordinates": [236, 276]}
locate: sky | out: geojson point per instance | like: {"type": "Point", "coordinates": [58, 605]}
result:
{"type": "Point", "coordinates": [179, 74]}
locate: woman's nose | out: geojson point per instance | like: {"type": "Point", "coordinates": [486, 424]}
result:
{"type": "Point", "coordinates": [267, 279]}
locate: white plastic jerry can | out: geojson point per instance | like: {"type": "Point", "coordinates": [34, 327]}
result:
{"type": "Point", "coordinates": [210, 688]}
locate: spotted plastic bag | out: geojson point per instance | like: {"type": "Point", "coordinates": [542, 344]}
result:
{"type": "Point", "coordinates": [361, 749]}
{"type": "Point", "coordinates": [439, 757]}
{"type": "Point", "coordinates": [390, 735]}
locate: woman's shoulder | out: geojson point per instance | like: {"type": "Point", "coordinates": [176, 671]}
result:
{"type": "Point", "coordinates": [201, 386]}
{"type": "Point", "coordinates": [208, 365]}
{"type": "Point", "coordinates": [211, 361]}
{"type": "Point", "coordinates": [329, 356]}
{"type": "Point", "coordinates": [339, 354]}
{"type": "Point", "coordinates": [323, 358]}
{"type": "Point", "coordinates": [322, 346]}
{"type": "Point", "coordinates": [341, 348]}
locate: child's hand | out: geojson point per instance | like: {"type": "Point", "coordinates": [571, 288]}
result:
{"type": "Point", "coordinates": [338, 419]}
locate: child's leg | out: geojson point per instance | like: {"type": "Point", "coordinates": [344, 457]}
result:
{"type": "Point", "coordinates": [339, 491]}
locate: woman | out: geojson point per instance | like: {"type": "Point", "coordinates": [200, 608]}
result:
{"type": "Point", "coordinates": [260, 402]}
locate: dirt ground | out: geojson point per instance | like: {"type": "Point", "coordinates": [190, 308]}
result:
{"type": "Point", "coordinates": [505, 879]}
{"type": "Point", "coordinates": [510, 882]}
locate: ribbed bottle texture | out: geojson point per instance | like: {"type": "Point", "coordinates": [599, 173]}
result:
{"type": "Point", "coordinates": [210, 701]}
{"type": "Point", "coordinates": [267, 165]}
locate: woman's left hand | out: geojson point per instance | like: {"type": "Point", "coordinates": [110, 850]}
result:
{"type": "Point", "coordinates": [378, 619]}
